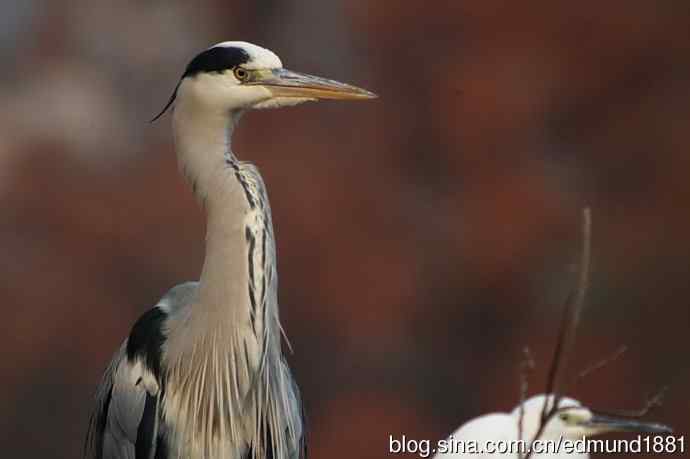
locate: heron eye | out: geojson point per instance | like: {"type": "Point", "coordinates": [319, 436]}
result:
{"type": "Point", "coordinates": [564, 417]}
{"type": "Point", "coordinates": [241, 74]}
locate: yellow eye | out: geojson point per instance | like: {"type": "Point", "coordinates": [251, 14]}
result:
{"type": "Point", "coordinates": [241, 74]}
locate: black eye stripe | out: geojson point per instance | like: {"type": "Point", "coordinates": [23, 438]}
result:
{"type": "Point", "coordinates": [216, 59]}
{"type": "Point", "coordinates": [213, 60]}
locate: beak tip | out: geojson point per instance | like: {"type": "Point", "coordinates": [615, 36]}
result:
{"type": "Point", "coordinates": [360, 93]}
{"type": "Point", "coordinates": [665, 429]}
{"type": "Point", "coordinates": [656, 429]}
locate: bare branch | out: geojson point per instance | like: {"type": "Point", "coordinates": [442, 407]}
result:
{"type": "Point", "coordinates": [569, 323]}
{"type": "Point", "coordinates": [655, 401]}
{"type": "Point", "coordinates": [551, 381]}
{"type": "Point", "coordinates": [571, 313]}
{"type": "Point", "coordinates": [550, 413]}
{"type": "Point", "coordinates": [585, 266]}
{"type": "Point", "coordinates": [601, 364]}
{"type": "Point", "coordinates": [526, 367]}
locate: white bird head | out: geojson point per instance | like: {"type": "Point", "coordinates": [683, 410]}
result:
{"type": "Point", "coordinates": [236, 75]}
{"type": "Point", "coordinates": [574, 421]}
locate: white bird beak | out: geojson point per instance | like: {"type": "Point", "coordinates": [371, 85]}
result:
{"type": "Point", "coordinates": [604, 424]}
{"type": "Point", "coordinates": [285, 83]}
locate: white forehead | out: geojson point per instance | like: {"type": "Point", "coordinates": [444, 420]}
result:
{"type": "Point", "coordinates": [536, 404]}
{"type": "Point", "coordinates": [259, 58]}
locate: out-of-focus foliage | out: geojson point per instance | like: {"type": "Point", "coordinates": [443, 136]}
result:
{"type": "Point", "coordinates": [424, 238]}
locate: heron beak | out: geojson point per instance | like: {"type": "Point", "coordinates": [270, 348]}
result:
{"type": "Point", "coordinates": [602, 424]}
{"type": "Point", "coordinates": [285, 83]}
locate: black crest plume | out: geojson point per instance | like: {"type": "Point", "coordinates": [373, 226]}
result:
{"type": "Point", "coordinates": [213, 60]}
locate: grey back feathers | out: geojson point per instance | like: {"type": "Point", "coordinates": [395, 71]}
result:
{"type": "Point", "coordinates": [132, 418]}
{"type": "Point", "coordinates": [126, 420]}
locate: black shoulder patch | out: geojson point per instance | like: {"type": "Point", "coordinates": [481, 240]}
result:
{"type": "Point", "coordinates": [161, 449]}
{"type": "Point", "coordinates": [147, 433]}
{"type": "Point", "coordinates": [146, 340]}
{"type": "Point", "coordinates": [216, 59]}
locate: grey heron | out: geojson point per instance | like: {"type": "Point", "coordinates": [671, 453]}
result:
{"type": "Point", "coordinates": [202, 373]}
{"type": "Point", "coordinates": [572, 421]}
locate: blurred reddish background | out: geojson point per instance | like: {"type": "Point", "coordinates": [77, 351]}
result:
{"type": "Point", "coordinates": [424, 238]}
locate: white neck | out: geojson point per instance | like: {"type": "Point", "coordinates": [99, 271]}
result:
{"type": "Point", "coordinates": [202, 142]}
{"type": "Point", "coordinates": [228, 341]}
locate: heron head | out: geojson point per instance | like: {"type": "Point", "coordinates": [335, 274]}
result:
{"type": "Point", "coordinates": [235, 75]}
{"type": "Point", "coordinates": [572, 420]}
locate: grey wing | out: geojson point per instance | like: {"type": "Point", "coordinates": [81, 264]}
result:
{"type": "Point", "coordinates": [124, 422]}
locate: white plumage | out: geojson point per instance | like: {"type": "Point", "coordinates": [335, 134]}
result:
{"type": "Point", "coordinates": [496, 435]}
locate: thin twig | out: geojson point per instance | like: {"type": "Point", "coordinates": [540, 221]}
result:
{"type": "Point", "coordinates": [571, 314]}
{"type": "Point", "coordinates": [655, 401]}
{"type": "Point", "coordinates": [551, 380]}
{"type": "Point", "coordinates": [601, 364]}
{"type": "Point", "coordinates": [579, 294]}
{"type": "Point", "coordinates": [585, 266]}
{"type": "Point", "coordinates": [569, 323]}
{"type": "Point", "coordinates": [526, 367]}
